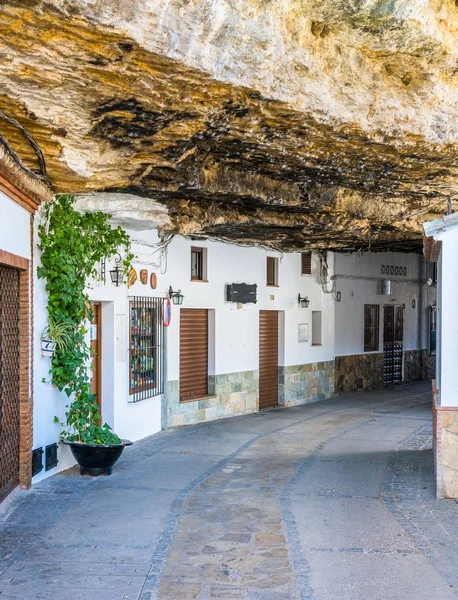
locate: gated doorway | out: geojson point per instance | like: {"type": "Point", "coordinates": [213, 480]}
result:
{"type": "Point", "coordinates": [393, 335]}
{"type": "Point", "coordinates": [268, 358]}
{"type": "Point", "coordinates": [9, 380]}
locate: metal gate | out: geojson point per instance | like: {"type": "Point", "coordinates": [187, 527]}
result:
{"type": "Point", "coordinates": [393, 335]}
{"type": "Point", "coordinates": [9, 380]}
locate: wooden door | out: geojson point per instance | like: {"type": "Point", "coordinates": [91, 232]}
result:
{"type": "Point", "coordinates": [393, 336]}
{"type": "Point", "coordinates": [268, 358]}
{"type": "Point", "coordinates": [96, 345]}
{"type": "Point", "coordinates": [9, 380]}
{"type": "Point", "coordinates": [193, 354]}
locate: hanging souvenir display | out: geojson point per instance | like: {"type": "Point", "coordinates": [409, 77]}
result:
{"type": "Point", "coordinates": [132, 278]}
{"type": "Point", "coordinates": [144, 276]}
{"type": "Point", "coordinates": [153, 281]}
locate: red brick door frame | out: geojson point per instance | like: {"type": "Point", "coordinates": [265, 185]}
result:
{"type": "Point", "coordinates": [23, 265]}
{"type": "Point", "coordinates": [28, 192]}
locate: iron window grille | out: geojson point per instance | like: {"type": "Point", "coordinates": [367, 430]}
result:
{"type": "Point", "coordinates": [371, 327]}
{"type": "Point", "coordinates": [146, 350]}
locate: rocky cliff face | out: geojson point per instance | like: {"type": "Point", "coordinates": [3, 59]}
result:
{"type": "Point", "coordinates": [291, 123]}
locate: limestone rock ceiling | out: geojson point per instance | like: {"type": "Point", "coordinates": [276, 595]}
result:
{"type": "Point", "coordinates": [292, 123]}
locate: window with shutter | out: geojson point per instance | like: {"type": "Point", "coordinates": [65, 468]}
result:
{"type": "Point", "coordinates": [272, 271]}
{"type": "Point", "coordinates": [371, 327]}
{"type": "Point", "coordinates": [306, 263]}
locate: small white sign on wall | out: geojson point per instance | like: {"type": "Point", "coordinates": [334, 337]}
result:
{"type": "Point", "coordinates": [121, 338]}
{"type": "Point", "coordinates": [303, 332]}
{"type": "Point", "coordinates": [93, 333]}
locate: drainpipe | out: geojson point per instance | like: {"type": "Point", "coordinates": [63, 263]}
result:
{"type": "Point", "coordinates": [165, 394]}
{"type": "Point", "coordinates": [420, 310]}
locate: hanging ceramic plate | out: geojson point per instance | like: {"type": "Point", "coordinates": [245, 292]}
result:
{"type": "Point", "coordinates": [132, 278]}
{"type": "Point", "coordinates": [153, 281]}
{"type": "Point", "coordinates": [144, 276]}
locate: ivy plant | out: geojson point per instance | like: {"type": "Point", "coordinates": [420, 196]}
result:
{"type": "Point", "coordinates": [72, 244]}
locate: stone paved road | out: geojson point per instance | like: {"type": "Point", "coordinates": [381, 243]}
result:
{"type": "Point", "coordinates": [328, 501]}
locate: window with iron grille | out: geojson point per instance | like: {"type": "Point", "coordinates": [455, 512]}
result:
{"type": "Point", "coordinates": [146, 352]}
{"type": "Point", "coordinates": [371, 327]}
{"type": "Point", "coordinates": [306, 263]}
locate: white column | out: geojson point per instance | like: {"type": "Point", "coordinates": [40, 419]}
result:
{"type": "Point", "coordinates": [448, 320]}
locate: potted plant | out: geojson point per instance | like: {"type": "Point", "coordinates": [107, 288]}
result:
{"type": "Point", "coordinates": [55, 334]}
{"type": "Point", "coordinates": [72, 244]}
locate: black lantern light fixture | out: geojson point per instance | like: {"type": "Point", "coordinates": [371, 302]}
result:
{"type": "Point", "coordinates": [176, 297]}
{"type": "Point", "coordinates": [117, 274]}
{"type": "Point", "coordinates": [304, 302]}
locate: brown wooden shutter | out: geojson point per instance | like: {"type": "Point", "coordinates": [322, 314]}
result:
{"type": "Point", "coordinates": [193, 354]}
{"type": "Point", "coordinates": [306, 263]}
{"type": "Point", "coordinates": [268, 358]}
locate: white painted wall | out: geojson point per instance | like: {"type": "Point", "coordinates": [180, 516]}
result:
{"type": "Point", "coordinates": [236, 331]}
{"type": "Point", "coordinates": [448, 320]}
{"type": "Point", "coordinates": [349, 313]}
{"type": "Point", "coordinates": [14, 227]}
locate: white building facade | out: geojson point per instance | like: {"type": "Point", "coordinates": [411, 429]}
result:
{"type": "Point", "coordinates": [441, 246]}
{"type": "Point", "coordinates": [220, 358]}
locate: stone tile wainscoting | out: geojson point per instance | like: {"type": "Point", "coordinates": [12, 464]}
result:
{"type": "Point", "coordinates": [419, 365]}
{"type": "Point", "coordinates": [359, 372]}
{"type": "Point", "coordinates": [234, 394]}
{"type": "Point", "coordinates": [445, 444]}
{"type": "Point", "coordinates": [301, 384]}
{"type": "Point", "coordinates": [428, 365]}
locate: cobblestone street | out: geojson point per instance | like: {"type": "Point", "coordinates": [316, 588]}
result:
{"type": "Point", "coordinates": [332, 500]}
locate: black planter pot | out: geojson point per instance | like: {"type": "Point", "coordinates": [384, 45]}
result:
{"type": "Point", "coordinates": [96, 459]}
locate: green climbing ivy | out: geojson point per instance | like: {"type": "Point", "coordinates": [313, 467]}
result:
{"type": "Point", "coordinates": [71, 244]}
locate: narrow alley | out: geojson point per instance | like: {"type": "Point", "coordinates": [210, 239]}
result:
{"type": "Point", "coordinates": [316, 502]}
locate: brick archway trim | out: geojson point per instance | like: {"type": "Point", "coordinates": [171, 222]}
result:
{"type": "Point", "coordinates": [24, 267]}
{"type": "Point", "coordinates": [28, 192]}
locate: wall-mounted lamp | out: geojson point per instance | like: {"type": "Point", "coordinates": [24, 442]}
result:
{"type": "Point", "coordinates": [117, 274]}
{"type": "Point", "coordinates": [176, 297]}
{"type": "Point", "coordinates": [304, 302]}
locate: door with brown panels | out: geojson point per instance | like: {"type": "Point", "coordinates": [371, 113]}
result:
{"type": "Point", "coordinates": [9, 380]}
{"type": "Point", "coordinates": [268, 358]}
{"type": "Point", "coordinates": [193, 354]}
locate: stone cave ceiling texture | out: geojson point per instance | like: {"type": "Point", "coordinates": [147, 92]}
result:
{"type": "Point", "coordinates": [294, 124]}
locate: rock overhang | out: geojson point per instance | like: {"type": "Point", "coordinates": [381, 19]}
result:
{"type": "Point", "coordinates": [292, 124]}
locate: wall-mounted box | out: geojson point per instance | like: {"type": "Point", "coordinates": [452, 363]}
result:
{"type": "Point", "coordinates": [241, 292]}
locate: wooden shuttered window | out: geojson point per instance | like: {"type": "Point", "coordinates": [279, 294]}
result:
{"type": "Point", "coordinates": [193, 354]}
{"type": "Point", "coordinates": [268, 358]}
{"type": "Point", "coordinates": [306, 263]}
{"type": "Point", "coordinates": [371, 327]}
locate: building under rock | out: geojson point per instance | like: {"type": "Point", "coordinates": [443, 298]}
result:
{"type": "Point", "coordinates": [295, 147]}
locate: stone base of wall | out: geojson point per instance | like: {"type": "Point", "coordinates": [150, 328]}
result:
{"type": "Point", "coordinates": [419, 365]}
{"type": "Point", "coordinates": [302, 384]}
{"type": "Point", "coordinates": [359, 373]}
{"type": "Point", "coordinates": [429, 365]}
{"type": "Point", "coordinates": [364, 372]}
{"type": "Point", "coordinates": [445, 445]}
{"type": "Point", "coordinates": [233, 394]}
{"type": "Point", "coordinates": [413, 367]}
